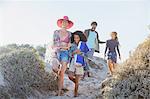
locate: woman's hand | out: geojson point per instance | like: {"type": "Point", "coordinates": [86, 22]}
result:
{"type": "Point", "coordinates": [69, 45]}
{"type": "Point", "coordinates": [55, 47]}
{"type": "Point", "coordinates": [66, 48]}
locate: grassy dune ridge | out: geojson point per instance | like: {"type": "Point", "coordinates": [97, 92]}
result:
{"type": "Point", "coordinates": [23, 73]}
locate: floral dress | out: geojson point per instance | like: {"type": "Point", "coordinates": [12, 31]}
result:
{"type": "Point", "coordinates": [62, 55]}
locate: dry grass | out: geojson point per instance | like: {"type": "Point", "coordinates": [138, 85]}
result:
{"type": "Point", "coordinates": [24, 73]}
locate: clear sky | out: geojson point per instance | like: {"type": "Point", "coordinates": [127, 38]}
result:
{"type": "Point", "coordinates": [33, 21]}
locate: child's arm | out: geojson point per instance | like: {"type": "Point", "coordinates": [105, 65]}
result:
{"type": "Point", "coordinates": [77, 51]}
{"type": "Point", "coordinates": [71, 50]}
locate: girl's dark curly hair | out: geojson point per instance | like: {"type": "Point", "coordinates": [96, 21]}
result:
{"type": "Point", "coordinates": [80, 34]}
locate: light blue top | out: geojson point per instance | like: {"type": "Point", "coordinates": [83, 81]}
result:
{"type": "Point", "coordinates": [91, 39]}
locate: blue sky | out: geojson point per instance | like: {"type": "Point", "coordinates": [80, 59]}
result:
{"type": "Point", "coordinates": [33, 21]}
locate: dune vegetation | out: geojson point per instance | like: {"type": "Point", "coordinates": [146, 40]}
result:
{"type": "Point", "coordinates": [24, 76]}
{"type": "Point", "coordinates": [23, 73]}
{"type": "Point", "coordinates": [132, 78]}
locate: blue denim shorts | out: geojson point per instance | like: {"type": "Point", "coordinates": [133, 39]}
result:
{"type": "Point", "coordinates": [112, 56]}
{"type": "Point", "coordinates": [63, 56]}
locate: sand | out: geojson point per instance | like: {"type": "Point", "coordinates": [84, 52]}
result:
{"type": "Point", "coordinates": [89, 87]}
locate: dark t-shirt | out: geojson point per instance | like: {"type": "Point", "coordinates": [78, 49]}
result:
{"type": "Point", "coordinates": [112, 45]}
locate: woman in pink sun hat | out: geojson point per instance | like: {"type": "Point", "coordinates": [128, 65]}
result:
{"type": "Point", "coordinates": [62, 43]}
{"type": "Point", "coordinates": [65, 22]}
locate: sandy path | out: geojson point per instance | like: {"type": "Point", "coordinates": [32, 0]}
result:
{"type": "Point", "coordinates": [89, 87]}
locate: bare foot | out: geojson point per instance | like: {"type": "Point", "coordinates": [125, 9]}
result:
{"type": "Point", "coordinates": [60, 93]}
{"type": "Point", "coordinates": [76, 95]}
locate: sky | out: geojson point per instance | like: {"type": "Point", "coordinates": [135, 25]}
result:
{"type": "Point", "coordinates": [34, 21]}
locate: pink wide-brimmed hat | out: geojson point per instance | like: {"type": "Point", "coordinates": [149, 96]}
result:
{"type": "Point", "coordinates": [70, 23]}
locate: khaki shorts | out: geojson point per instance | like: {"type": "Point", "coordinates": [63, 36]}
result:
{"type": "Point", "coordinates": [76, 69]}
